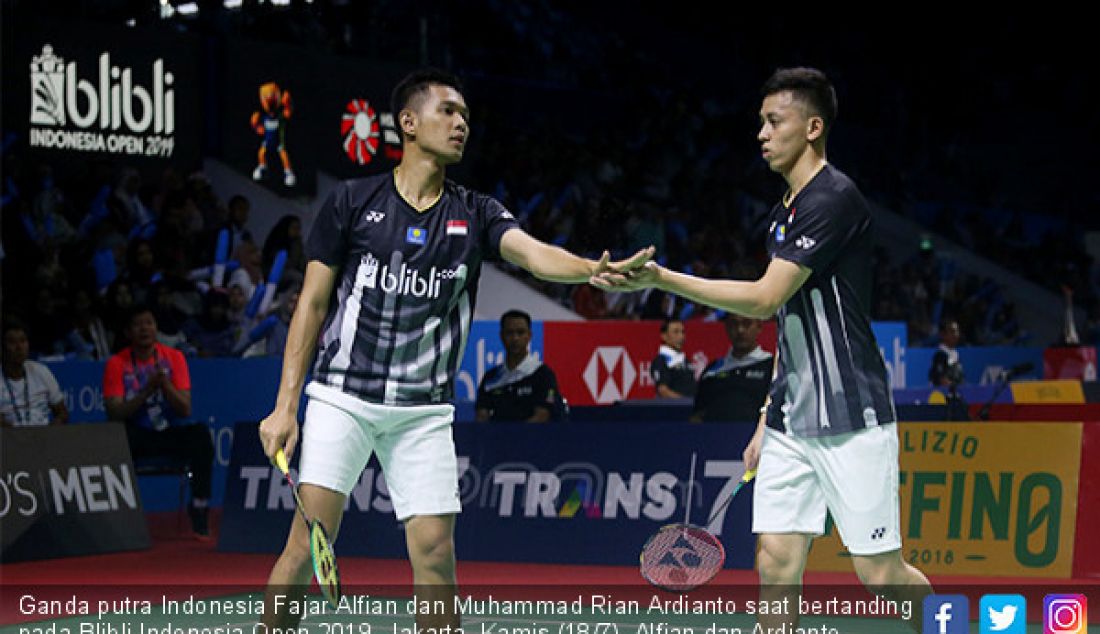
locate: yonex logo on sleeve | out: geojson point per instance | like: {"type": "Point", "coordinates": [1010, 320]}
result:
{"type": "Point", "coordinates": [805, 242]}
{"type": "Point", "coordinates": [375, 216]}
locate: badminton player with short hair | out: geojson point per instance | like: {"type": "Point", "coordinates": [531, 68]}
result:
{"type": "Point", "coordinates": [827, 439]}
{"type": "Point", "coordinates": [387, 302]}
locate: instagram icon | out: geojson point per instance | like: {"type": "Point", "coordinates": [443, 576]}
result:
{"type": "Point", "coordinates": [1065, 614]}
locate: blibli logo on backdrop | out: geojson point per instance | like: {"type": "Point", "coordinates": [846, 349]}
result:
{"type": "Point", "coordinates": [406, 280]}
{"type": "Point", "coordinates": [67, 112]}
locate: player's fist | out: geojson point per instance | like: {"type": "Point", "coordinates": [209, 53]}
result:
{"type": "Point", "coordinates": [279, 431]}
{"type": "Point", "coordinates": [256, 125]}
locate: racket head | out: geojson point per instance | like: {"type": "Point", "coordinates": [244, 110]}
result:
{"type": "Point", "coordinates": [681, 557]}
{"type": "Point", "coordinates": [324, 563]}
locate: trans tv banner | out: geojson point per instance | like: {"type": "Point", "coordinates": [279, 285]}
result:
{"type": "Point", "coordinates": [583, 494]}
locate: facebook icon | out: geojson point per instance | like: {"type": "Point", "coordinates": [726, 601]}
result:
{"type": "Point", "coordinates": [946, 614]}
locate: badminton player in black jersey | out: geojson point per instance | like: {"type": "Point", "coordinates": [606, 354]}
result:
{"type": "Point", "coordinates": [386, 304]}
{"type": "Point", "coordinates": [827, 437]}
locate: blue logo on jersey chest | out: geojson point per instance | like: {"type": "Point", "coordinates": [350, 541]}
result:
{"type": "Point", "coordinates": [781, 233]}
{"type": "Point", "coordinates": [416, 235]}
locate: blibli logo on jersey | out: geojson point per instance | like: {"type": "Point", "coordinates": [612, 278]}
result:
{"type": "Point", "coordinates": [408, 281]}
{"type": "Point", "coordinates": [416, 235]}
{"type": "Point", "coordinates": [781, 233]}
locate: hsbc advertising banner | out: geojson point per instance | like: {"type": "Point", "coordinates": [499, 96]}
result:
{"type": "Point", "coordinates": [71, 92]}
{"type": "Point", "coordinates": [600, 363]}
{"type": "Point", "coordinates": [587, 494]}
{"type": "Point", "coordinates": [68, 490]}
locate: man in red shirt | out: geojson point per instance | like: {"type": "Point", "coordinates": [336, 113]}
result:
{"type": "Point", "coordinates": [148, 386]}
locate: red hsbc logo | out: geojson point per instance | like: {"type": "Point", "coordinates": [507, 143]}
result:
{"type": "Point", "coordinates": [601, 362]}
{"type": "Point", "coordinates": [609, 374]}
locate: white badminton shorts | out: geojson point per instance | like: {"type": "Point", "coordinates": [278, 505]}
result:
{"type": "Point", "coordinates": [415, 446]}
{"type": "Point", "coordinates": [853, 477]}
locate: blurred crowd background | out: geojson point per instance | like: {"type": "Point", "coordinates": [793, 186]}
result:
{"type": "Point", "coordinates": [602, 126]}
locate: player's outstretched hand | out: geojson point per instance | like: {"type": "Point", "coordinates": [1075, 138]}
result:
{"type": "Point", "coordinates": [617, 272]}
{"type": "Point", "coordinates": [636, 279]}
{"type": "Point", "coordinates": [279, 431]}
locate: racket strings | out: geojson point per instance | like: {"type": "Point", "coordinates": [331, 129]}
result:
{"type": "Point", "coordinates": [681, 558]}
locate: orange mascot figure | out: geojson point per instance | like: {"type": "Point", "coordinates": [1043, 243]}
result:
{"type": "Point", "coordinates": [270, 123]}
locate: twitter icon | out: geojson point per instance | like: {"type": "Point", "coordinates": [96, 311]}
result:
{"type": "Point", "coordinates": [1002, 614]}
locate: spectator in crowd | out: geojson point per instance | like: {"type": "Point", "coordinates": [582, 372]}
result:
{"type": "Point", "coordinates": [286, 235]}
{"type": "Point", "coordinates": [169, 316]}
{"type": "Point", "coordinates": [287, 303]}
{"type": "Point", "coordinates": [947, 370]}
{"type": "Point", "coordinates": [238, 303]}
{"type": "Point", "coordinates": [734, 387]}
{"type": "Point", "coordinates": [90, 338]}
{"type": "Point", "coordinates": [117, 301]}
{"type": "Point", "coordinates": [212, 333]}
{"type": "Point", "coordinates": [522, 388]}
{"type": "Point", "coordinates": [147, 385]}
{"type": "Point", "coordinates": [141, 270]}
{"type": "Point", "coordinates": [239, 208]}
{"type": "Point", "coordinates": [46, 326]}
{"type": "Point", "coordinates": [31, 394]}
{"type": "Point", "coordinates": [249, 274]}
{"type": "Point", "coordinates": [127, 209]}
{"type": "Point", "coordinates": [671, 373]}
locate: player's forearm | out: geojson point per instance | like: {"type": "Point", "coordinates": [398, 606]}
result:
{"type": "Point", "coordinates": [555, 264]}
{"type": "Point", "coordinates": [300, 343]}
{"type": "Point", "coordinates": [750, 299]}
{"type": "Point", "coordinates": [665, 391]}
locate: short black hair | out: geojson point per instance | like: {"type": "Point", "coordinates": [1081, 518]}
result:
{"type": "Point", "coordinates": [12, 322]}
{"type": "Point", "coordinates": [238, 199]}
{"type": "Point", "coordinates": [133, 311]}
{"type": "Point", "coordinates": [416, 83]}
{"type": "Point", "coordinates": [668, 322]}
{"type": "Point", "coordinates": [809, 86]}
{"type": "Point", "coordinates": [515, 314]}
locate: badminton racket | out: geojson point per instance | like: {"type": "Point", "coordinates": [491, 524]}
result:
{"type": "Point", "coordinates": [682, 557]}
{"type": "Point", "coordinates": [320, 547]}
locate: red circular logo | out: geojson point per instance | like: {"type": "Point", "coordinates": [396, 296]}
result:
{"type": "Point", "coordinates": [359, 127]}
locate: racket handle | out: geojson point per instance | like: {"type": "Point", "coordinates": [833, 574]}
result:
{"type": "Point", "coordinates": [749, 475]}
{"type": "Point", "coordinates": [280, 461]}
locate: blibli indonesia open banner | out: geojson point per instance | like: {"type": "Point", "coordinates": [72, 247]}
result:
{"type": "Point", "coordinates": [986, 499]}
{"type": "Point", "coordinates": [585, 494]}
{"type": "Point", "coordinates": [71, 92]}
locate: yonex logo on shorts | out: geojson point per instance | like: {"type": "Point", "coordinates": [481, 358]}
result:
{"type": "Point", "coordinates": [878, 533]}
{"type": "Point", "coordinates": [375, 216]}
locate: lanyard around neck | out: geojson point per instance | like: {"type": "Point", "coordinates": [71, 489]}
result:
{"type": "Point", "coordinates": [137, 375]}
{"type": "Point", "coordinates": [24, 417]}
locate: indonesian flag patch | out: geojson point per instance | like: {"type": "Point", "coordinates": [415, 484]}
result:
{"type": "Point", "coordinates": [456, 227]}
